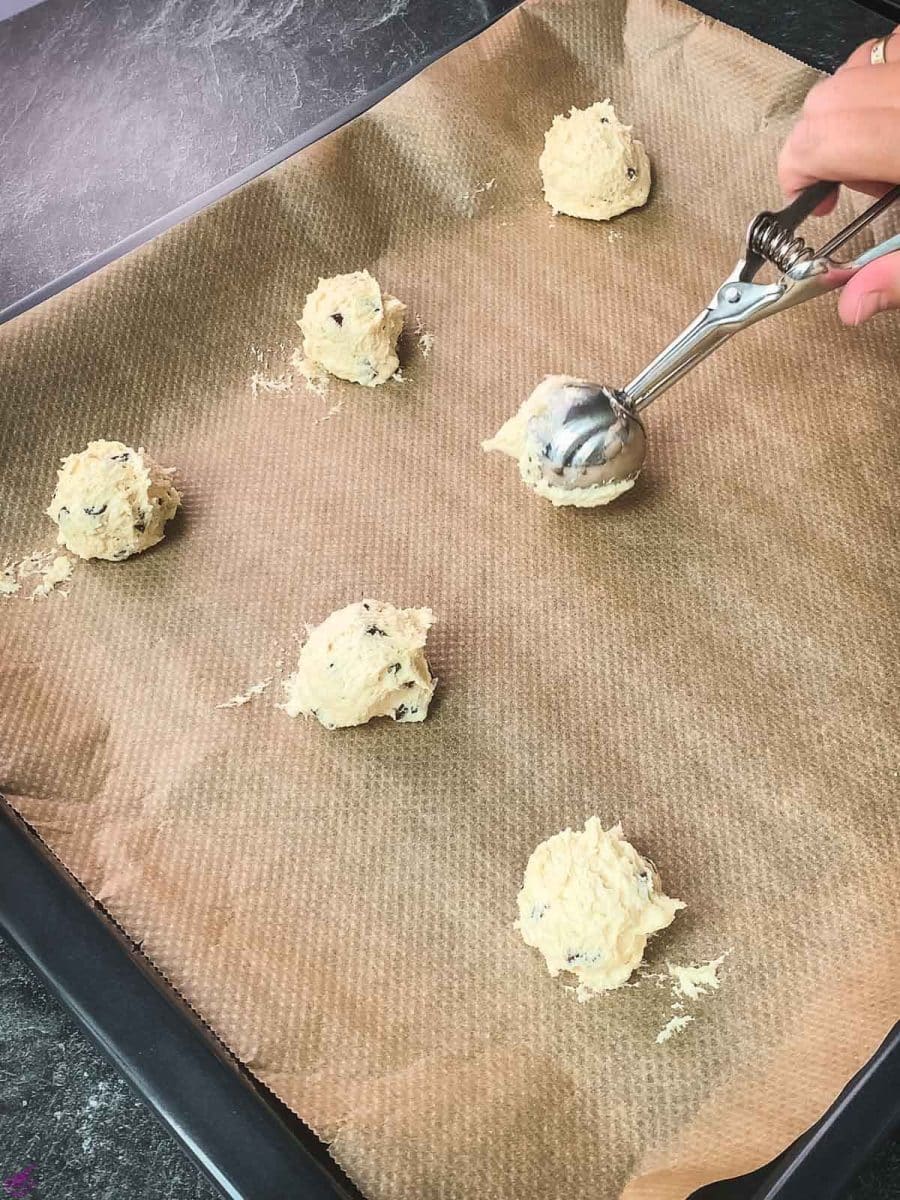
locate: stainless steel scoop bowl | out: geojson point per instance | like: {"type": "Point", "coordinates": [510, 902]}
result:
{"type": "Point", "coordinates": [591, 433]}
{"type": "Point", "coordinates": [589, 436]}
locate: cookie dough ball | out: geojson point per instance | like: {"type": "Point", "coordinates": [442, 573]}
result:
{"type": "Point", "coordinates": [518, 439]}
{"type": "Point", "coordinates": [588, 903]}
{"type": "Point", "coordinates": [111, 501]}
{"type": "Point", "coordinates": [366, 660]}
{"type": "Point", "coordinates": [351, 328]}
{"type": "Point", "coordinates": [592, 166]}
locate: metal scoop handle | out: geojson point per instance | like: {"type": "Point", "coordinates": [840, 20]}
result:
{"type": "Point", "coordinates": [740, 302]}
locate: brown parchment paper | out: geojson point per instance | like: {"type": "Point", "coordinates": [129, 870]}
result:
{"type": "Point", "coordinates": [712, 660]}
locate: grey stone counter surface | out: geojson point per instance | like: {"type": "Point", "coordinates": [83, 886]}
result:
{"type": "Point", "coordinates": [114, 114]}
{"type": "Point", "coordinates": [70, 1129]}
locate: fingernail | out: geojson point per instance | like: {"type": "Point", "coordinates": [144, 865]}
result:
{"type": "Point", "coordinates": [869, 304]}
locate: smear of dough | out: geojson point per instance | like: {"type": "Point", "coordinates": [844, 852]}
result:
{"type": "Point", "coordinates": [332, 412]}
{"type": "Point", "coordinates": [45, 566]}
{"type": "Point", "coordinates": [673, 1025]}
{"type": "Point", "coordinates": [424, 338]}
{"type": "Point", "coordinates": [56, 572]}
{"type": "Point", "coordinates": [350, 328]}
{"type": "Point", "coordinates": [9, 585]}
{"type": "Point", "coordinates": [260, 382]}
{"type": "Point", "coordinates": [696, 979]}
{"type": "Point", "coordinates": [111, 501]}
{"type": "Point", "coordinates": [591, 165]}
{"type": "Point", "coordinates": [366, 660]}
{"type": "Point", "coordinates": [245, 697]}
{"type": "Point", "coordinates": [517, 439]}
{"type": "Point", "coordinates": [589, 902]}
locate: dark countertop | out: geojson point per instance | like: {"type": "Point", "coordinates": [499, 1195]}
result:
{"type": "Point", "coordinates": [64, 1109]}
{"type": "Point", "coordinates": [112, 115]}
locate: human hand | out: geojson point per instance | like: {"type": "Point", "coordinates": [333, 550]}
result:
{"type": "Point", "coordinates": [849, 131]}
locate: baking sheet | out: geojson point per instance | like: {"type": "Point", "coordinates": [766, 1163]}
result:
{"type": "Point", "coordinates": [712, 660]}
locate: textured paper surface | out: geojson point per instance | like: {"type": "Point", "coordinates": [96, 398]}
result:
{"type": "Point", "coordinates": [712, 660]}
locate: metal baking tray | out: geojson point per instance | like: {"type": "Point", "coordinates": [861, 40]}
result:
{"type": "Point", "coordinates": [241, 1136]}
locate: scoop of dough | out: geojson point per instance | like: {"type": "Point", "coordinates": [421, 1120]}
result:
{"type": "Point", "coordinates": [111, 501]}
{"type": "Point", "coordinates": [588, 903]}
{"type": "Point", "coordinates": [592, 166]}
{"type": "Point", "coordinates": [366, 660]}
{"type": "Point", "coordinates": [516, 439]}
{"type": "Point", "coordinates": [351, 328]}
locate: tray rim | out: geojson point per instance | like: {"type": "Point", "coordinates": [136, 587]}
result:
{"type": "Point", "coordinates": [248, 1143]}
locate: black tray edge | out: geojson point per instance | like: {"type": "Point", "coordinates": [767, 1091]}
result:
{"type": "Point", "coordinates": [822, 1162]}
{"type": "Point", "coordinates": [249, 1145]}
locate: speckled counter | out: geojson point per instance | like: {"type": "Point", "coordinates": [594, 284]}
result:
{"type": "Point", "coordinates": [67, 1113]}
{"type": "Point", "coordinates": [113, 114]}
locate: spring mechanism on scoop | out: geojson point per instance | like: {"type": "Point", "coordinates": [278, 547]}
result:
{"type": "Point", "coordinates": [777, 244]}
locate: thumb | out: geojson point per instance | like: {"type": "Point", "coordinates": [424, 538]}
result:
{"type": "Point", "coordinates": [871, 290]}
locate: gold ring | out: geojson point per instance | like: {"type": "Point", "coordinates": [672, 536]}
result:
{"type": "Point", "coordinates": [877, 53]}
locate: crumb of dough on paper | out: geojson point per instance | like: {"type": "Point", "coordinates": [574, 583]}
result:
{"type": "Point", "coordinates": [245, 697]}
{"type": "Point", "coordinates": [45, 568]}
{"type": "Point", "coordinates": [674, 1025]}
{"type": "Point", "coordinates": [332, 412]}
{"type": "Point", "coordinates": [9, 585]}
{"type": "Point", "coordinates": [261, 382]}
{"type": "Point", "coordinates": [696, 979]}
{"type": "Point", "coordinates": [480, 190]}
{"type": "Point", "coordinates": [482, 187]}
{"type": "Point", "coordinates": [57, 572]}
{"type": "Point", "coordinates": [424, 339]}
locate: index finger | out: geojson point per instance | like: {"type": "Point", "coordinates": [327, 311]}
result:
{"type": "Point", "coordinates": [842, 146]}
